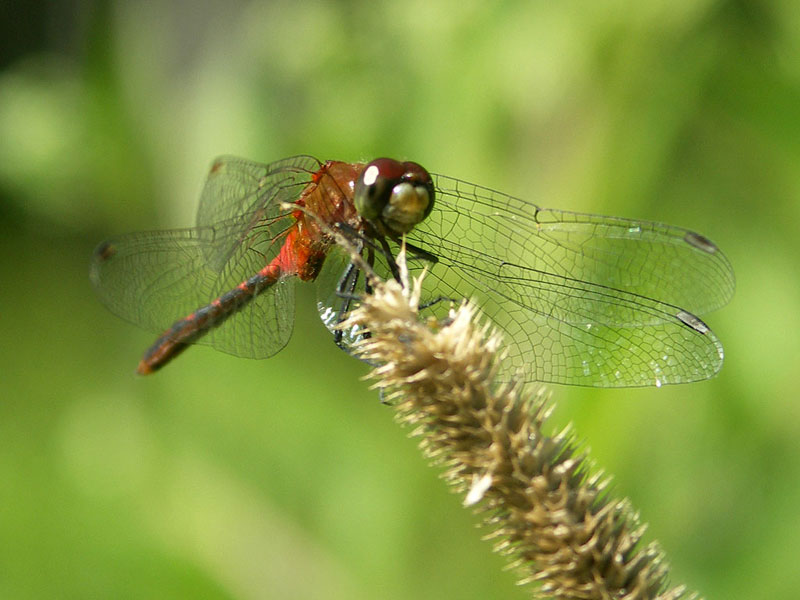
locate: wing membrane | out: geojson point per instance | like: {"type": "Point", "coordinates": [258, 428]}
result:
{"type": "Point", "coordinates": [669, 264]}
{"type": "Point", "coordinates": [155, 278]}
{"type": "Point", "coordinates": [582, 299]}
{"type": "Point", "coordinates": [246, 194]}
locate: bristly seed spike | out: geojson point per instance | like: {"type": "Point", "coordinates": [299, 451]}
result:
{"type": "Point", "coordinates": [549, 513]}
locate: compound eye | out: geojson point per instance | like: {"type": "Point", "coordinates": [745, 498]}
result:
{"type": "Point", "coordinates": [423, 184]}
{"type": "Point", "coordinates": [374, 187]}
{"type": "Point", "coordinates": [394, 196]}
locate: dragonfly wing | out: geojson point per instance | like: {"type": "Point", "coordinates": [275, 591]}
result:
{"type": "Point", "coordinates": [152, 279]}
{"type": "Point", "coordinates": [249, 195]}
{"type": "Point", "coordinates": [578, 333]}
{"type": "Point", "coordinates": [670, 264]}
{"type": "Point", "coordinates": [582, 299]}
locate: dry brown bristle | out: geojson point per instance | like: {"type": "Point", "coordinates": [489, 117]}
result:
{"type": "Point", "coordinates": [552, 517]}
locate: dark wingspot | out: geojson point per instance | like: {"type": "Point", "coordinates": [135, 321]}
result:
{"type": "Point", "coordinates": [105, 251]}
{"type": "Point", "coordinates": [700, 242]}
{"type": "Point", "coordinates": [692, 321]}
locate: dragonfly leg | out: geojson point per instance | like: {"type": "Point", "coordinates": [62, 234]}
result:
{"type": "Point", "coordinates": [345, 289]}
{"type": "Point", "coordinates": [368, 241]}
{"type": "Point", "coordinates": [422, 253]}
{"type": "Point", "coordinates": [436, 301]}
{"type": "Point", "coordinates": [387, 252]}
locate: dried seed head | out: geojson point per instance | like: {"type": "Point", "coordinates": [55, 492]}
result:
{"type": "Point", "coordinates": [554, 520]}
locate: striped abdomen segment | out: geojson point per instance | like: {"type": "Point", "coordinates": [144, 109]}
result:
{"type": "Point", "coordinates": [188, 330]}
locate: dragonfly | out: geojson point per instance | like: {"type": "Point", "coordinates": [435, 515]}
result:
{"type": "Point", "coordinates": [580, 299]}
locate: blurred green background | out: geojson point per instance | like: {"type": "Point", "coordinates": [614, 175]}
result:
{"type": "Point", "coordinates": [230, 478]}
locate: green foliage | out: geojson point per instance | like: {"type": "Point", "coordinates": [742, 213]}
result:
{"type": "Point", "coordinates": [228, 478]}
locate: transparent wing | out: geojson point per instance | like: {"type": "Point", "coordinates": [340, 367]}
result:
{"type": "Point", "coordinates": [670, 264]}
{"type": "Point", "coordinates": [155, 278]}
{"type": "Point", "coordinates": [243, 193]}
{"type": "Point", "coordinates": [152, 279]}
{"type": "Point", "coordinates": [582, 299]}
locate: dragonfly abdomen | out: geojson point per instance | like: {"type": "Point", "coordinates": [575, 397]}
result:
{"type": "Point", "coordinates": [189, 329]}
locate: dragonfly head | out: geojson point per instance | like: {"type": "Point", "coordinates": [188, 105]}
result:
{"type": "Point", "coordinates": [394, 195]}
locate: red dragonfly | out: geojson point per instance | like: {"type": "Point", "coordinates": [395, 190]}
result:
{"type": "Point", "coordinates": [582, 299]}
